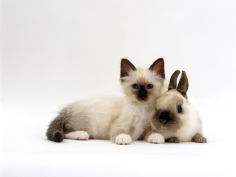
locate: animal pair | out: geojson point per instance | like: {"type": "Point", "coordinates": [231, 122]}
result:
{"type": "Point", "coordinates": [121, 119]}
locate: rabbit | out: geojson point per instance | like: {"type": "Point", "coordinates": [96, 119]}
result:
{"type": "Point", "coordinates": [175, 119]}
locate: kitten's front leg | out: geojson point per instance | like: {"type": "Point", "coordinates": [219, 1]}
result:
{"type": "Point", "coordinates": [120, 131]}
{"type": "Point", "coordinates": [120, 135]}
{"type": "Point", "coordinates": [153, 137]}
{"type": "Point", "coordinates": [123, 139]}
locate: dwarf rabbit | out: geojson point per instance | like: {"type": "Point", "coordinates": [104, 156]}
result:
{"type": "Point", "coordinates": [175, 118]}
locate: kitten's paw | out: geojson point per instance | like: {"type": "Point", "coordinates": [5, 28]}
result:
{"type": "Point", "coordinates": [156, 138]}
{"type": "Point", "coordinates": [77, 135]}
{"type": "Point", "coordinates": [123, 139]}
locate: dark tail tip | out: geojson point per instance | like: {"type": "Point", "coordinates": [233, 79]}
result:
{"type": "Point", "coordinates": [56, 128]}
{"type": "Point", "coordinates": [57, 136]}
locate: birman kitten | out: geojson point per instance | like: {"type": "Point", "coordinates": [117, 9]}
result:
{"type": "Point", "coordinates": [121, 119]}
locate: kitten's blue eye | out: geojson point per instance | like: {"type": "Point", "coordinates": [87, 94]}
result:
{"type": "Point", "coordinates": [135, 86]}
{"type": "Point", "coordinates": [180, 109]}
{"type": "Point", "coordinates": [149, 86]}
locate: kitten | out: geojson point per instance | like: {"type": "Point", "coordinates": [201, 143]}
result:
{"type": "Point", "coordinates": [121, 119]}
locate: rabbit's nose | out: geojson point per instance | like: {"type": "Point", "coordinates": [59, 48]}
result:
{"type": "Point", "coordinates": [164, 114]}
{"type": "Point", "coordinates": [163, 121]}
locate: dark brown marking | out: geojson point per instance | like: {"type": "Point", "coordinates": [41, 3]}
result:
{"type": "Point", "coordinates": [125, 67]}
{"type": "Point", "coordinates": [158, 67]}
{"type": "Point", "coordinates": [172, 122]}
{"type": "Point", "coordinates": [172, 140]}
{"type": "Point", "coordinates": [142, 93]}
{"type": "Point", "coordinates": [198, 138]}
{"type": "Point", "coordinates": [57, 127]}
{"type": "Point", "coordinates": [183, 84]}
{"type": "Point", "coordinates": [173, 80]}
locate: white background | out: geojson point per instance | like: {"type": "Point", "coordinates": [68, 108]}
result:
{"type": "Point", "coordinates": [54, 52]}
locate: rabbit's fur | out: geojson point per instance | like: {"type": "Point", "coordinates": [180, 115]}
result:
{"type": "Point", "coordinates": [175, 118]}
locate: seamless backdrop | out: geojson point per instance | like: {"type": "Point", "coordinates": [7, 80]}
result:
{"type": "Point", "coordinates": [54, 52]}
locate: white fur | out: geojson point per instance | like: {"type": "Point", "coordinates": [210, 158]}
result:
{"type": "Point", "coordinates": [77, 135]}
{"type": "Point", "coordinates": [156, 138]}
{"type": "Point", "coordinates": [123, 139]}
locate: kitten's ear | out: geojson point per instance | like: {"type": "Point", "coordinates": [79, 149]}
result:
{"type": "Point", "coordinates": [183, 84]}
{"type": "Point", "coordinates": [173, 80]}
{"type": "Point", "coordinates": [158, 67]}
{"type": "Point", "coordinates": [125, 67]}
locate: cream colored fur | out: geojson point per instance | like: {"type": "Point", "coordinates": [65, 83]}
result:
{"type": "Point", "coordinates": [156, 138]}
{"type": "Point", "coordinates": [77, 135]}
{"type": "Point", "coordinates": [190, 119]}
{"type": "Point", "coordinates": [121, 119]}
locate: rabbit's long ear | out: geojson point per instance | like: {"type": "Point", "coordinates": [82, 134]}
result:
{"type": "Point", "coordinates": [173, 80]}
{"type": "Point", "coordinates": [183, 84]}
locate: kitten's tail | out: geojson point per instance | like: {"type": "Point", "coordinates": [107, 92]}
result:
{"type": "Point", "coordinates": [56, 128]}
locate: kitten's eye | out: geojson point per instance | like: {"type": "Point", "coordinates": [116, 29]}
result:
{"type": "Point", "coordinates": [149, 86]}
{"type": "Point", "coordinates": [180, 109]}
{"type": "Point", "coordinates": [135, 86]}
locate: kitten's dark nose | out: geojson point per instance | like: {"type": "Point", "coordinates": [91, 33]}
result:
{"type": "Point", "coordinates": [142, 93]}
{"type": "Point", "coordinates": [164, 117]}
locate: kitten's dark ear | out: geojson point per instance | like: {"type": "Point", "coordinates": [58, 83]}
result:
{"type": "Point", "coordinates": [125, 67]}
{"type": "Point", "coordinates": [173, 80]}
{"type": "Point", "coordinates": [183, 84]}
{"type": "Point", "coordinates": [158, 67]}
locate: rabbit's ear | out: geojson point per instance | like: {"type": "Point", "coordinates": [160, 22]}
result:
{"type": "Point", "coordinates": [173, 80]}
{"type": "Point", "coordinates": [183, 84]}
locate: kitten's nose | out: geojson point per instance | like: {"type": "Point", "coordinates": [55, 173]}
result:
{"type": "Point", "coordinates": [142, 93]}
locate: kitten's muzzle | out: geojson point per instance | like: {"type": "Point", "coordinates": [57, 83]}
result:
{"type": "Point", "coordinates": [142, 93]}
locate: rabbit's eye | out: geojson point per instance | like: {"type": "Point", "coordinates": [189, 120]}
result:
{"type": "Point", "coordinates": [180, 109]}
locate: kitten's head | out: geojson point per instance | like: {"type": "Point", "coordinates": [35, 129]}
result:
{"type": "Point", "coordinates": [142, 85]}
